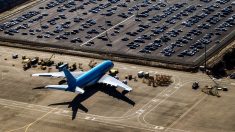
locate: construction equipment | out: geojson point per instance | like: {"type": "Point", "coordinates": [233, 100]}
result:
{"type": "Point", "coordinates": [195, 85]}
{"type": "Point", "coordinates": [26, 66]}
{"type": "Point", "coordinates": [159, 80]}
{"type": "Point", "coordinates": [26, 63]}
{"type": "Point", "coordinates": [140, 74]}
{"type": "Point", "coordinates": [163, 80]}
{"type": "Point", "coordinates": [14, 56]}
{"type": "Point", "coordinates": [135, 78]}
{"type": "Point", "coordinates": [73, 67]}
{"type": "Point", "coordinates": [211, 90]}
{"type": "Point", "coordinates": [47, 62]}
{"type": "Point", "coordinates": [80, 66]}
{"type": "Point", "coordinates": [43, 67]}
{"type": "Point", "coordinates": [26, 60]}
{"type": "Point", "coordinates": [124, 81]}
{"type": "Point", "coordinates": [151, 81]}
{"type": "Point", "coordinates": [146, 75]}
{"type": "Point", "coordinates": [113, 72]}
{"type": "Point", "coordinates": [34, 60]}
{"type": "Point", "coordinates": [59, 64]}
{"type": "Point", "coordinates": [92, 63]}
{"type": "Point", "coordinates": [65, 65]}
{"type": "Point", "coordinates": [130, 77]}
{"type": "Point", "coordinates": [34, 66]}
{"type": "Point", "coordinates": [23, 57]}
{"type": "Point", "coordinates": [225, 89]}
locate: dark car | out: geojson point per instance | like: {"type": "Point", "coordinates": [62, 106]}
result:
{"type": "Point", "coordinates": [232, 76]}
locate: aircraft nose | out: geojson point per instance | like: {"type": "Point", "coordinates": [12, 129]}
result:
{"type": "Point", "coordinates": [110, 63]}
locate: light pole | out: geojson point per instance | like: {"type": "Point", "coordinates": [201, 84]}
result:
{"type": "Point", "coordinates": [205, 59]}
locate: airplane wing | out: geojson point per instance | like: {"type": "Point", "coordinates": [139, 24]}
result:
{"type": "Point", "coordinates": [57, 74]}
{"type": "Point", "coordinates": [114, 82]}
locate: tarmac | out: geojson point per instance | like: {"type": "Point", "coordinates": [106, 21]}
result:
{"type": "Point", "coordinates": [26, 107]}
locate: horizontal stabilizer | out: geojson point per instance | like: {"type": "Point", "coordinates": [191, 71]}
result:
{"type": "Point", "coordinates": [57, 87]}
{"type": "Point", "coordinates": [56, 74]}
{"type": "Point", "coordinates": [65, 88]}
{"type": "Point", "coordinates": [79, 90]}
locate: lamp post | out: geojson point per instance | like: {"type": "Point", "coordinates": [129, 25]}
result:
{"type": "Point", "coordinates": [205, 59]}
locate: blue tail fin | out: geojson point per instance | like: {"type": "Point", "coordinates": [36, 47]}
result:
{"type": "Point", "coordinates": [71, 80]}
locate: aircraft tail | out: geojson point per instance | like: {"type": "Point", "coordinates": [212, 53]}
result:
{"type": "Point", "coordinates": [71, 80]}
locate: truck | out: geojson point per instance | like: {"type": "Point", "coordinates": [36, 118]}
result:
{"type": "Point", "coordinates": [195, 85]}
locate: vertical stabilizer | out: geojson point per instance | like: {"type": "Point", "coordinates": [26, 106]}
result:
{"type": "Point", "coordinates": [71, 80]}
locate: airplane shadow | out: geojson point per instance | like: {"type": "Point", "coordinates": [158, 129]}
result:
{"type": "Point", "coordinates": [41, 87]}
{"type": "Point", "coordinates": [75, 104]}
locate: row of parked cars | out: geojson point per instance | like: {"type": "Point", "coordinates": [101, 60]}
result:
{"type": "Point", "coordinates": [167, 11]}
{"type": "Point", "coordinates": [24, 17]}
{"type": "Point", "coordinates": [59, 26]}
{"type": "Point", "coordinates": [228, 23]}
{"type": "Point", "coordinates": [163, 42]}
{"type": "Point", "coordinates": [207, 38]}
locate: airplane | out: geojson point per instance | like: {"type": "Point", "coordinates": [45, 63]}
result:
{"type": "Point", "coordinates": [76, 81]}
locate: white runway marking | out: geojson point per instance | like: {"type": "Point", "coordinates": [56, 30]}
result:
{"type": "Point", "coordinates": [87, 117]}
{"type": "Point", "coordinates": [65, 111]}
{"type": "Point", "coordinates": [62, 113]}
{"type": "Point", "coordinates": [183, 115]}
{"type": "Point", "coordinates": [38, 119]}
{"type": "Point", "coordinates": [159, 127]}
{"type": "Point", "coordinates": [107, 30]}
{"type": "Point", "coordinates": [155, 100]}
{"type": "Point", "coordinates": [140, 111]}
{"type": "Point", "coordinates": [142, 119]}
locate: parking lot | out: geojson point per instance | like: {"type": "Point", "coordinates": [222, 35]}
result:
{"type": "Point", "coordinates": [173, 32]}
